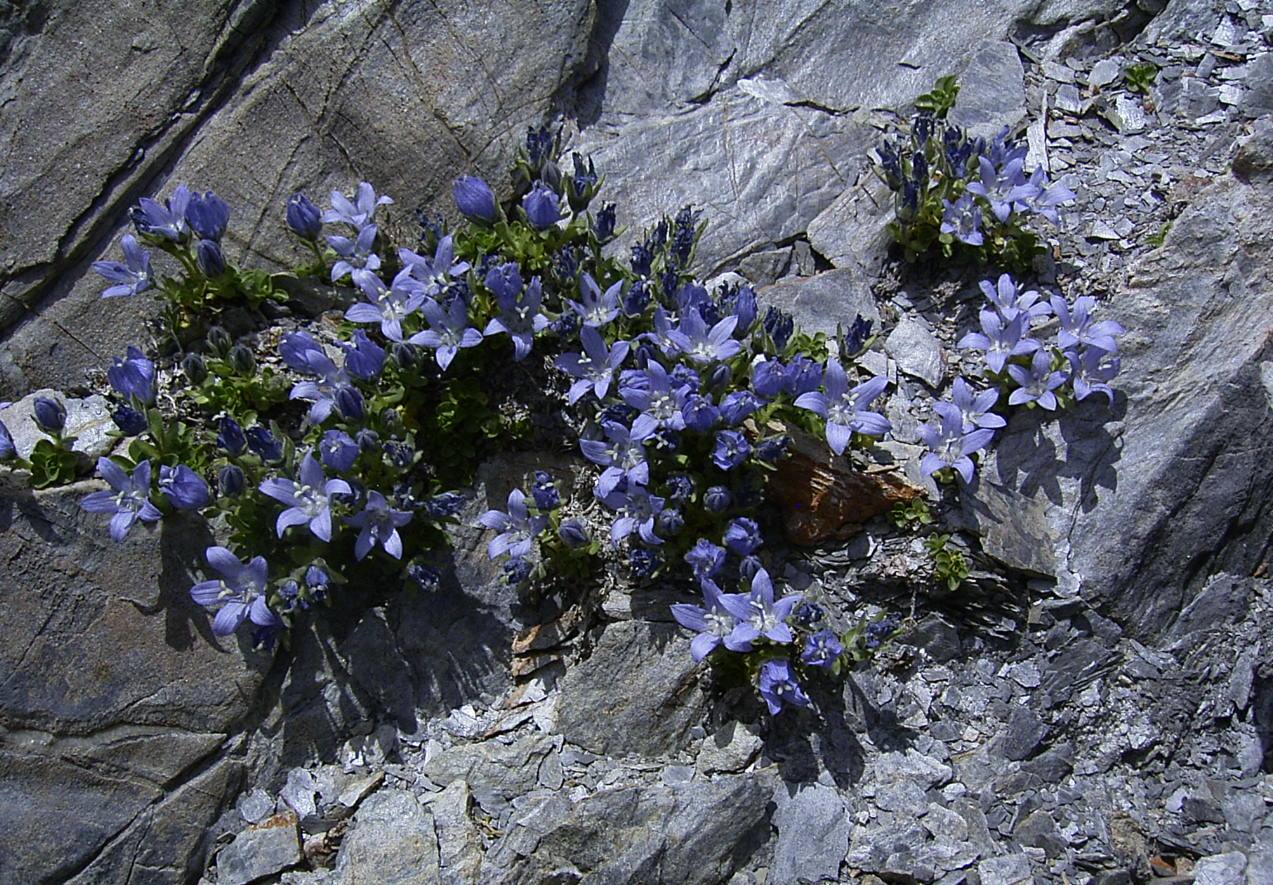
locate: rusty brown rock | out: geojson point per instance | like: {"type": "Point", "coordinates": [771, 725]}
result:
{"type": "Point", "coordinates": [825, 497]}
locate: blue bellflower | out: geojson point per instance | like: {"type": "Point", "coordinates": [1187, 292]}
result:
{"type": "Point", "coordinates": [541, 206]}
{"type": "Point", "coordinates": [596, 308]}
{"type": "Point", "coordinates": [821, 649]}
{"type": "Point", "coordinates": [133, 377]}
{"type": "Point", "coordinates": [950, 444]}
{"type": "Point", "coordinates": [593, 369]}
{"type": "Point", "coordinates": [207, 214]}
{"type": "Point", "coordinates": [1000, 339]}
{"type": "Point", "coordinates": [845, 409]}
{"type": "Point", "coordinates": [309, 501]}
{"type": "Point", "coordinates": [354, 257]}
{"type": "Point", "coordinates": [1037, 382]}
{"type": "Point", "coordinates": [654, 392]}
{"type": "Point", "coordinates": [962, 218]}
{"type": "Point", "coordinates": [132, 276]}
{"type": "Point", "coordinates": [638, 511]}
{"type": "Point", "coordinates": [449, 331]}
{"type": "Point", "coordinates": [240, 592]}
{"type": "Point", "coordinates": [127, 501]}
{"type": "Point", "coordinates": [516, 527]}
{"type": "Point", "coordinates": [1091, 371]}
{"type": "Point", "coordinates": [358, 210]}
{"type": "Point", "coordinates": [167, 221]}
{"type": "Point", "coordinates": [759, 615]}
{"type": "Point", "coordinates": [712, 622]}
{"type": "Point", "coordinates": [621, 453]}
{"type": "Point", "coordinates": [475, 200]}
{"type": "Point", "coordinates": [435, 273]}
{"type": "Point", "coordinates": [184, 488]}
{"type": "Point", "coordinates": [303, 217]}
{"type": "Point", "coordinates": [379, 524]}
{"type": "Point", "coordinates": [975, 405]}
{"type": "Point", "coordinates": [779, 688]}
{"type": "Point", "coordinates": [388, 306]}
{"type": "Point", "coordinates": [701, 344]}
{"type": "Point", "coordinates": [519, 317]}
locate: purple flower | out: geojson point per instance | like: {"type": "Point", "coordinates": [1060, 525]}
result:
{"type": "Point", "coordinates": [802, 376]}
{"type": "Point", "coordinates": [639, 510]}
{"type": "Point", "coordinates": [1047, 197]}
{"type": "Point", "coordinates": [130, 277]}
{"type": "Point", "coordinates": [504, 282]}
{"type": "Point", "coordinates": [129, 420]}
{"type": "Point", "coordinates": [703, 345]}
{"type": "Point", "coordinates": [437, 272]}
{"type": "Point", "coordinates": [1091, 371]}
{"type": "Point", "coordinates": [240, 592]}
{"type": "Point", "coordinates": [517, 528]}
{"type": "Point", "coordinates": [230, 436]}
{"type": "Point", "coordinates": [519, 316]}
{"type": "Point", "coordinates": [717, 499]}
{"type": "Point", "coordinates": [731, 449]}
{"type": "Point", "coordinates": [975, 405]}
{"type": "Point", "coordinates": [448, 331]}
{"type": "Point", "coordinates": [622, 453]}
{"type": "Point", "coordinates": [184, 488]}
{"type": "Point", "coordinates": [1078, 327]}
{"type": "Point", "coordinates": [128, 500]}
{"type": "Point", "coordinates": [309, 501]}
{"type": "Point", "coordinates": [1002, 187]}
{"type": "Point", "coordinates": [165, 222]}
{"type": "Point", "coordinates": [133, 377]}
{"type": "Point", "coordinates": [303, 217]}
{"type": "Point", "coordinates": [759, 616]}
{"type": "Point", "coordinates": [7, 449]}
{"type": "Point", "coordinates": [768, 378]}
{"type": "Point", "coordinates": [741, 302]}
{"type": "Point", "coordinates": [654, 392]}
{"type": "Point", "coordinates": [207, 214]}
{"type": "Point", "coordinates": [387, 306]}
{"type": "Point", "coordinates": [354, 255]}
{"type": "Point", "coordinates": [572, 533]}
{"type": "Point", "coordinates": [1007, 298]}
{"type": "Point", "coordinates": [1000, 339]}
{"type": "Point", "coordinates": [1037, 382]}
{"type": "Point", "coordinates": [49, 414]}
{"type": "Point", "coordinates": [663, 335]}
{"type": "Point", "coordinates": [475, 200]}
{"type": "Point", "coordinates": [594, 307]}
{"type": "Point", "coordinates": [544, 492]}
{"type": "Point", "coordinates": [364, 358]}
{"type": "Point", "coordinates": [699, 413]}
{"type": "Point", "coordinates": [541, 206]}
{"type": "Point", "coordinates": [963, 219]}
{"type": "Point", "coordinates": [264, 444]}
{"type": "Point", "coordinates": [742, 536]}
{"type": "Point", "coordinates": [949, 445]}
{"type": "Point", "coordinates": [594, 368]}
{"type": "Point", "coordinates": [821, 649]}
{"type": "Point", "coordinates": [304, 354]}
{"type": "Point", "coordinates": [231, 480]}
{"type": "Point", "coordinates": [712, 622]}
{"type": "Point", "coordinates": [779, 688]}
{"type": "Point", "coordinates": [705, 559]}
{"type": "Point", "coordinates": [379, 523]}
{"type": "Point", "coordinates": [208, 256]}
{"type": "Point", "coordinates": [358, 210]}
{"type": "Point", "coordinates": [844, 409]}
{"type": "Point", "coordinates": [737, 406]}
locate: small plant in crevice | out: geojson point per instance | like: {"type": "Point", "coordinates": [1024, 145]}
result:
{"type": "Point", "coordinates": [963, 197]}
{"type": "Point", "coordinates": [334, 457]}
{"type": "Point", "coordinates": [950, 567]}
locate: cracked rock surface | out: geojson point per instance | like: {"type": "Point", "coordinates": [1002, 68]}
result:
{"type": "Point", "coordinates": [1093, 705]}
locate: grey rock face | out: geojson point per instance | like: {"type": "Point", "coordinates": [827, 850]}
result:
{"type": "Point", "coordinates": [1178, 469]}
{"type": "Point", "coordinates": [992, 90]}
{"type": "Point", "coordinates": [310, 115]}
{"type": "Point", "coordinates": [820, 303]}
{"type": "Point", "coordinates": [392, 842]}
{"type": "Point", "coordinates": [269, 847]}
{"type": "Point", "coordinates": [700, 832]}
{"type": "Point", "coordinates": [813, 834]}
{"type": "Point", "coordinates": [88, 420]}
{"type": "Point", "coordinates": [916, 351]}
{"type": "Point", "coordinates": [656, 709]}
{"type": "Point", "coordinates": [132, 702]}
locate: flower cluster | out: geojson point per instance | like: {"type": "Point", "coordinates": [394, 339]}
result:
{"type": "Point", "coordinates": [965, 196]}
{"type": "Point", "coordinates": [1022, 368]}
